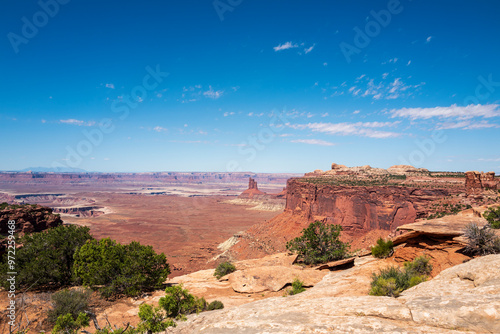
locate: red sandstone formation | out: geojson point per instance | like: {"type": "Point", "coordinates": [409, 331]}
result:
{"type": "Point", "coordinates": [476, 182]}
{"type": "Point", "coordinates": [252, 190]}
{"type": "Point", "coordinates": [28, 218]}
{"type": "Point", "coordinates": [365, 213]}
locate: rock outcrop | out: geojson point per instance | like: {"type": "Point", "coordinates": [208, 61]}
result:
{"type": "Point", "coordinates": [476, 182]}
{"type": "Point", "coordinates": [461, 299]}
{"type": "Point", "coordinates": [252, 191]}
{"type": "Point", "coordinates": [28, 218]}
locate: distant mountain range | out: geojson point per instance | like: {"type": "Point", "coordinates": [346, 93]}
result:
{"type": "Point", "coordinates": [53, 170]}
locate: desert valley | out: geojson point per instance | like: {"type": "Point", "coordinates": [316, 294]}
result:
{"type": "Point", "coordinates": [249, 167]}
{"type": "Point", "coordinates": [199, 220]}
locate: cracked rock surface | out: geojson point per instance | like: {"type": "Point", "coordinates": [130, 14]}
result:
{"type": "Point", "coordinates": [461, 299]}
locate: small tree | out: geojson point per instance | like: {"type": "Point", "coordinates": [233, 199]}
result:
{"type": "Point", "coordinates": [67, 324]}
{"type": "Point", "coordinates": [492, 215]}
{"type": "Point", "coordinates": [120, 269]}
{"type": "Point", "coordinates": [46, 258]}
{"type": "Point", "coordinates": [153, 319]}
{"type": "Point", "coordinates": [178, 302]}
{"type": "Point", "coordinates": [319, 243]}
{"type": "Point", "coordinates": [383, 249]}
{"type": "Point", "coordinates": [223, 269]}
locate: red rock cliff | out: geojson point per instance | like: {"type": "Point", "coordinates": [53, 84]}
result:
{"type": "Point", "coordinates": [365, 213]}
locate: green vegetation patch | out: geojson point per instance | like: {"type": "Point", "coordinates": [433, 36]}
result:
{"type": "Point", "coordinates": [319, 243]}
{"type": "Point", "coordinates": [223, 269]}
{"type": "Point", "coordinates": [393, 280]}
{"type": "Point", "coordinates": [383, 249]}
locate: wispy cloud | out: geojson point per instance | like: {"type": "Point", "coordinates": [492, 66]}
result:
{"type": "Point", "coordinates": [366, 87]}
{"type": "Point", "coordinates": [285, 46]}
{"type": "Point", "coordinates": [309, 49]}
{"type": "Point", "coordinates": [364, 129]}
{"type": "Point", "coordinates": [467, 125]}
{"type": "Point", "coordinates": [159, 129]}
{"type": "Point", "coordinates": [77, 122]}
{"type": "Point", "coordinates": [453, 111]}
{"type": "Point", "coordinates": [213, 94]}
{"type": "Point", "coordinates": [489, 159]}
{"type": "Point", "coordinates": [313, 142]}
{"type": "Point", "coordinates": [110, 85]}
{"type": "Point", "coordinates": [428, 39]}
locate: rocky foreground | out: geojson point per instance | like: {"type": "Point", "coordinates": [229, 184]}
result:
{"type": "Point", "coordinates": [461, 299]}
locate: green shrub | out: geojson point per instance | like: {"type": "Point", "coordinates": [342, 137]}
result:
{"type": "Point", "coordinates": [419, 266]}
{"type": "Point", "coordinates": [67, 324]}
{"type": "Point", "coordinates": [481, 240]}
{"type": "Point", "coordinates": [120, 269]}
{"type": "Point", "coordinates": [46, 258]}
{"type": "Point", "coordinates": [223, 269]}
{"type": "Point", "coordinates": [319, 243]}
{"type": "Point", "coordinates": [153, 319]}
{"type": "Point", "coordinates": [178, 302]}
{"type": "Point", "coordinates": [383, 249]}
{"type": "Point", "coordinates": [392, 281]}
{"type": "Point", "coordinates": [492, 215]}
{"type": "Point", "coordinates": [71, 302]}
{"type": "Point", "coordinates": [297, 287]}
{"type": "Point", "coordinates": [215, 305]}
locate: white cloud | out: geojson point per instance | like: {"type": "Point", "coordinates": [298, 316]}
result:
{"type": "Point", "coordinates": [324, 114]}
{"type": "Point", "coordinates": [76, 122]}
{"type": "Point", "coordinates": [428, 39]}
{"type": "Point", "coordinates": [213, 94]}
{"type": "Point", "coordinates": [467, 125]}
{"type": "Point", "coordinates": [364, 129]}
{"type": "Point", "coordinates": [159, 129]}
{"type": "Point", "coordinates": [110, 85]}
{"type": "Point", "coordinates": [356, 112]}
{"type": "Point", "coordinates": [286, 46]}
{"type": "Point", "coordinates": [325, 64]}
{"type": "Point", "coordinates": [379, 90]}
{"type": "Point", "coordinates": [453, 111]}
{"type": "Point", "coordinates": [489, 159]}
{"type": "Point", "coordinates": [227, 113]}
{"type": "Point", "coordinates": [409, 62]}
{"type": "Point", "coordinates": [313, 142]}
{"type": "Point", "coordinates": [309, 49]}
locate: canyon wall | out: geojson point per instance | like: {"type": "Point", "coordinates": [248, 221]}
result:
{"type": "Point", "coordinates": [364, 212]}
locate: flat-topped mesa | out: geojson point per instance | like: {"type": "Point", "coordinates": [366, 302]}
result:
{"type": "Point", "coordinates": [367, 170]}
{"type": "Point", "coordinates": [477, 182]}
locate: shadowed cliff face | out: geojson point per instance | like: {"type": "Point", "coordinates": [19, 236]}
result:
{"type": "Point", "coordinates": [359, 209]}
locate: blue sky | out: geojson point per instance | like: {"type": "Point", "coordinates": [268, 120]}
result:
{"type": "Point", "coordinates": [240, 85]}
